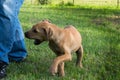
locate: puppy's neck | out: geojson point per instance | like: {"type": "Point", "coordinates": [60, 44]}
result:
{"type": "Point", "coordinates": [57, 32]}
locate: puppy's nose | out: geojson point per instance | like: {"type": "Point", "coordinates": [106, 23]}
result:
{"type": "Point", "coordinates": [26, 34]}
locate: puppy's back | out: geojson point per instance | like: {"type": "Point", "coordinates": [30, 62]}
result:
{"type": "Point", "coordinates": [73, 31]}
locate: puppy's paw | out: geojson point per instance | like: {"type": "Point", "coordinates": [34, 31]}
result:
{"type": "Point", "coordinates": [81, 66]}
{"type": "Point", "coordinates": [53, 70]}
{"type": "Point", "coordinates": [61, 74]}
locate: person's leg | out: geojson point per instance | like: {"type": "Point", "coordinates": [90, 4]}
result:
{"type": "Point", "coordinates": [6, 29]}
{"type": "Point", "coordinates": [18, 51]}
{"type": "Point", "coordinates": [8, 33]}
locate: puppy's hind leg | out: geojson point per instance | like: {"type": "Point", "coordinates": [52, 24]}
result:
{"type": "Point", "coordinates": [79, 54]}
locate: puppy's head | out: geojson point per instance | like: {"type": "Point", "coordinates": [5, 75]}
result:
{"type": "Point", "coordinates": [39, 32]}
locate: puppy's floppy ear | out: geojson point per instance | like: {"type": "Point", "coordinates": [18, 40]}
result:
{"type": "Point", "coordinates": [48, 32]}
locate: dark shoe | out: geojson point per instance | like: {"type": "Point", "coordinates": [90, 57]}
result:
{"type": "Point", "coordinates": [17, 59]}
{"type": "Point", "coordinates": [3, 66]}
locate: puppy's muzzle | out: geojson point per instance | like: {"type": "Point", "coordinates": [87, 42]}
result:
{"type": "Point", "coordinates": [36, 41]}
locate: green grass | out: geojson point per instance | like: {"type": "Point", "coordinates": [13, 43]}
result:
{"type": "Point", "coordinates": [100, 30]}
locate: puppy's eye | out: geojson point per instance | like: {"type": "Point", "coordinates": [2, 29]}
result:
{"type": "Point", "coordinates": [35, 31]}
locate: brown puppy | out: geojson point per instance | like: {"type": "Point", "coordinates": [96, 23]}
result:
{"type": "Point", "coordinates": [62, 41]}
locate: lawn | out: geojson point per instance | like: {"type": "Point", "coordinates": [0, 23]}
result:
{"type": "Point", "coordinates": [100, 30]}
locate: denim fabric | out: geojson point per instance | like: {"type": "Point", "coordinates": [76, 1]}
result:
{"type": "Point", "coordinates": [11, 33]}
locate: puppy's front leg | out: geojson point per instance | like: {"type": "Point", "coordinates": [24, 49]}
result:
{"type": "Point", "coordinates": [61, 69]}
{"type": "Point", "coordinates": [58, 60]}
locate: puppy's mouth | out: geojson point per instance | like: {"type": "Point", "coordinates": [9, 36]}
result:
{"type": "Point", "coordinates": [37, 41]}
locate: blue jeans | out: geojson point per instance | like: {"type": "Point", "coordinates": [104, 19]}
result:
{"type": "Point", "coordinates": [12, 43]}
